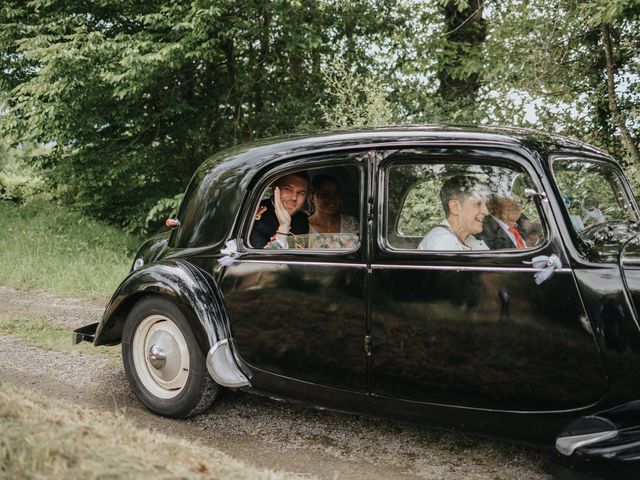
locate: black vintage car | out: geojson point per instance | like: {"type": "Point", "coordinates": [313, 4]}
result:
{"type": "Point", "coordinates": [414, 311]}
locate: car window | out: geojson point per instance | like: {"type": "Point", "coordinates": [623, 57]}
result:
{"type": "Point", "coordinates": [600, 210]}
{"type": "Point", "coordinates": [321, 206]}
{"type": "Point", "coordinates": [460, 206]}
{"type": "Point", "coordinates": [593, 193]}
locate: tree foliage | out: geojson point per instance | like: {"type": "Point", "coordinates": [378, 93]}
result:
{"type": "Point", "coordinates": [18, 180]}
{"type": "Point", "coordinates": [460, 65]}
{"type": "Point", "coordinates": [353, 100]}
{"type": "Point", "coordinates": [130, 97]}
{"type": "Point", "coordinates": [551, 55]}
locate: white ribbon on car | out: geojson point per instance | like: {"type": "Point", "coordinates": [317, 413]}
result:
{"type": "Point", "coordinates": [547, 265]}
{"type": "Point", "coordinates": [230, 252]}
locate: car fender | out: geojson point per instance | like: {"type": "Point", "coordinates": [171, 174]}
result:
{"type": "Point", "coordinates": [199, 299]}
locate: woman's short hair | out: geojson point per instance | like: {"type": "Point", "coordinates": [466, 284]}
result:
{"type": "Point", "coordinates": [459, 187]}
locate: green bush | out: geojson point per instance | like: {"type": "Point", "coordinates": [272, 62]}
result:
{"type": "Point", "coordinates": [18, 181]}
{"type": "Point", "coordinates": [19, 188]}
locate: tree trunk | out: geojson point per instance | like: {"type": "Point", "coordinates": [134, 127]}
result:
{"type": "Point", "coordinates": [228, 48]}
{"type": "Point", "coordinates": [627, 139]}
{"type": "Point", "coordinates": [260, 72]}
{"type": "Point", "coordinates": [465, 31]}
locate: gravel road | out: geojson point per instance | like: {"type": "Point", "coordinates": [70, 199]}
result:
{"type": "Point", "coordinates": [259, 431]}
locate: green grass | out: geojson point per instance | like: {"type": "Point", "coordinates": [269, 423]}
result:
{"type": "Point", "coordinates": [48, 247]}
{"type": "Point", "coordinates": [43, 333]}
{"type": "Point", "coordinates": [44, 246]}
{"type": "Point", "coordinates": [42, 438]}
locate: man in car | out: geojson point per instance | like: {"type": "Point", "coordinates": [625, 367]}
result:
{"type": "Point", "coordinates": [464, 202]}
{"type": "Point", "coordinates": [281, 215]}
{"type": "Point", "coordinates": [502, 229]}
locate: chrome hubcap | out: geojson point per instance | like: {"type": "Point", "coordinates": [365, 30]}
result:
{"type": "Point", "coordinates": [157, 357]}
{"type": "Point", "coordinates": [162, 341]}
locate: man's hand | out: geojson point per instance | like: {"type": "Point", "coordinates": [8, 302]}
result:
{"type": "Point", "coordinates": [284, 218]}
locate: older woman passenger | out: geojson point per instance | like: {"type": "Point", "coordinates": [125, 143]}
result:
{"type": "Point", "coordinates": [464, 202]}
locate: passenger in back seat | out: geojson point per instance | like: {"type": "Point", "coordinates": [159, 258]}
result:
{"type": "Point", "coordinates": [464, 200]}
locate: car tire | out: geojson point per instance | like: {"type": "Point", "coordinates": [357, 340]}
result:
{"type": "Point", "coordinates": [163, 361]}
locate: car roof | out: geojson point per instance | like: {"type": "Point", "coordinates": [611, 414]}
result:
{"type": "Point", "coordinates": [216, 191]}
{"type": "Point", "coordinates": [262, 150]}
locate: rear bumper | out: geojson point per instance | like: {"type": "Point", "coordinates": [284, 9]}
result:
{"type": "Point", "coordinates": [603, 446]}
{"type": "Point", "coordinates": [624, 447]}
{"type": "Point", "coordinates": [85, 334]}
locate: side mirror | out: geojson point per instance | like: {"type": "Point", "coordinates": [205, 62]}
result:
{"type": "Point", "coordinates": [530, 193]}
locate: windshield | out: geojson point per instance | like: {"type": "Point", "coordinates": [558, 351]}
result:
{"type": "Point", "coordinates": [599, 207]}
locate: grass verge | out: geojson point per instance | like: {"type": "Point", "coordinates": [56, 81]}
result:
{"type": "Point", "coordinates": [42, 438]}
{"type": "Point", "coordinates": [43, 333]}
{"type": "Point", "coordinates": [48, 247]}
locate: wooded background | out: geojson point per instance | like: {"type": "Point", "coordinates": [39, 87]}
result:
{"type": "Point", "coordinates": [111, 105]}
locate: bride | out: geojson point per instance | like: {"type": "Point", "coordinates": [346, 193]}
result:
{"type": "Point", "coordinates": [326, 200]}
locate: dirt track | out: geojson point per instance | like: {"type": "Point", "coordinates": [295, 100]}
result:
{"type": "Point", "coordinates": [258, 431]}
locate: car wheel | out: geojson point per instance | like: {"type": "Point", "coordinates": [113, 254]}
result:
{"type": "Point", "coordinates": [163, 361]}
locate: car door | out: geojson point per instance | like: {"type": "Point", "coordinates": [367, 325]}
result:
{"type": "Point", "coordinates": [601, 228]}
{"type": "Point", "coordinates": [472, 327]}
{"type": "Point", "coordinates": [298, 312]}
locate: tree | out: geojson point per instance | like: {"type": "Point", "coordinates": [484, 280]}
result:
{"type": "Point", "coordinates": [130, 97]}
{"type": "Point", "coordinates": [353, 100]}
{"type": "Point", "coordinates": [460, 64]}
{"type": "Point", "coordinates": [618, 118]}
{"type": "Point", "coordinates": [133, 96]}
{"type": "Point", "coordinates": [553, 56]}
{"type": "Point", "coordinates": [437, 62]}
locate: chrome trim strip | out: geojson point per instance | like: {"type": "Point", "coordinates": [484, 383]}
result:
{"type": "Point", "coordinates": [464, 268]}
{"type": "Point", "coordinates": [293, 262]}
{"type": "Point", "coordinates": [405, 267]}
{"type": "Point", "coordinates": [567, 445]}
